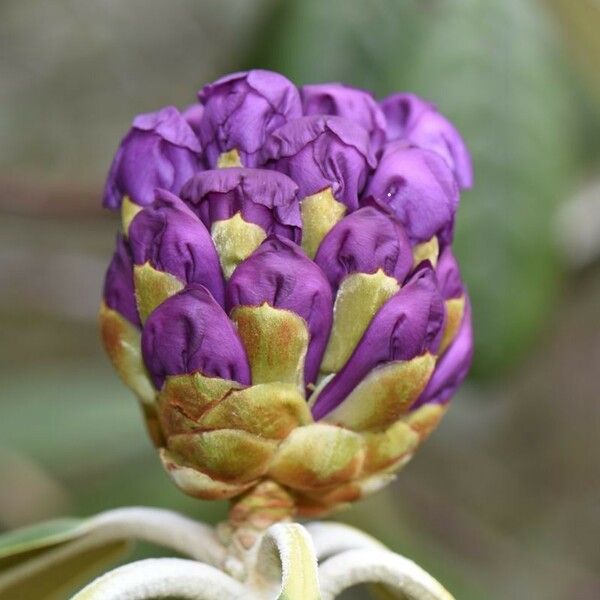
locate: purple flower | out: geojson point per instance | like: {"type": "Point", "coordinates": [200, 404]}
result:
{"type": "Point", "coordinates": [287, 268]}
{"type": "Point", "coordinates": [160, 150]}
{"type": "Point", "coordinates": [188, 333]}
{"type": "Point", "coordinates": [241, 110]}
{"type": "Point", "coordinates": [412, 118]}
{"type": "Point", "coordinates": [363, 242]}
{"type": "Point", "coordinates": [420, 188]}
{"type": "Point", "coordinates": [407, 325]}
{"type": "Point", "coordinates": [118, 284]}
{"type": "Point", "coordinates": [266, 198]}
{"type": "Point", "coordinates": [169, 236]}
{"type": "Point", "coordinates": [279, 273]}
{"type": "Point", "coordinates": [319, 152]}
{"type": "Point", "coordinates": [351, 103]}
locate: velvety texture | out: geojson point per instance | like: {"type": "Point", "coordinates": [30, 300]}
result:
{"type": "Point", "coordinates": [319, 152]}
{"type": "Point", "coordinates": [412, 118]}
{"type": "Point", "coordinates": [279, 273]}
{"type": "Point", "coordinates": [363, 242]}
{"type": "Point", "coordinates": [420, 188]}
{"type": "Point", "coordinates": [351, 103]}
{"type": "Point", "coordinates": [189, 332]}
{"type": "Point", "coordinates": [266, 198]}
{"type": "Point", "coordinates": [241, 109]}
{"type": "Point", "coordinates": [407, 325]}
{"type": "Point", "coordinates": [172, 238]}
{"type": "Point", "coordinates": [118, 290]}
{"type": "Point", "coordinates": [452, 367]}
{"type": "Point", "coordinates": [160, 151]}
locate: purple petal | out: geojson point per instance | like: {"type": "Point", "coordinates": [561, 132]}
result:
{"type": "Point", "coordinates": [193, 115]}
{"type": "Point", "coordinates": [412, 118]}
{"type": "Point", "coordinates": [266, 198]}
{"type": "Point", "coordinates": [190, 332]}
{"type": "Point", "coordinates": [363, 242]}
{"type": "Point", "coordinates": [241, 110]}
{"type": "Point", "coordinates": [348, 102]}
{"type": "Point", "coordinates": [160, 150]}
{"type": "Point", "coordinates": [448, 275]}
{"type": "Point", "coordinates": [318, 152]}
{"type": "Point", "coordinates": [119, 291]}
{"type": "Point", "coordinates": [420, 188]}
{"type": "Point", "coordinates": [279, 273]}
{"type": "Point", "coordinates": [452, 367]}
{"type": "Point", "coordinates": [407, 325]}
{"type": "Point", "coordinates": [172, 238]}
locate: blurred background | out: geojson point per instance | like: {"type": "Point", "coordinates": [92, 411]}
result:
{"type": "Point", "coordinates": [504, 500]}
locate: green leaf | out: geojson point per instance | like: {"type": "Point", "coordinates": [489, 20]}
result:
{"type": "Point", "coordinates": [286, 565]}
{"type": "Point", "coordinates": [16, 546]}
{"type": "Point", "coordinates": [49, 560]}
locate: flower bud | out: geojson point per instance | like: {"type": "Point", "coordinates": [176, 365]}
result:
{"type": "Point", "coordinates": [160, 151]}
{"type": "Point", "coordinates": [351, 103]}
{"type": "Point", "coordinates": [329, 158]}
{"type": "Point", "coordinates": [188, 333]}
{"type": "Point", "coordinates": [363, 242]}
{"type": "Point", "coordinates": [297, 319]}
{"type": "Point", "coordinates": [412, 118]}
{"type": "Point", "coordinates": [279, 274]}
{"type": "Point", "coordinates": [408, 325]}
{"type": "Point", "coordinates": [420, 188]}
{"type": "Point", "coordinates": [171, 248]}
{"type": "Point", "coordinates": [241, 110]}
{"type": "Point", "coordinates": [241, 207]}
{"type": "Point", "coordinates": [366, 257]}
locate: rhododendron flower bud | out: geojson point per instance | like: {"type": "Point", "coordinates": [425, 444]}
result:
{"type": "Point", "coordinates": [160, 150]}
{"type": "Point", "coordinates": [418, 121]}
{"type": "Point", "coordinates": [419, 187]}
{"type": "Point", "coordinates": [284, 300]}
{"type": "Point", "coordinates": [240, 111]}
{"type": "Point", "coordinates": [353, 104]}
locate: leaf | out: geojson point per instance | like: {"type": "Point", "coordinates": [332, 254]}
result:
{"type": "Point", "coordinates": [286, 565]}
{"type": "Point", "coordinates": [21, 544]}
{"type": "Point", "coordinates": [49, 560]}
{"type": "Point", "coordinates": [489, 65]}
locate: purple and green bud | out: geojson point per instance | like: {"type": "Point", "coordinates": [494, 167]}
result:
{"type": "Point", "coordinates": [321, 152]}
{"type": "Point", "coordinates": [280, 274]}
{"type": "Point", "coordinates": [168, 241]}
{"type": "Point", "coordinates": [266, 198]}
{"type": "Point", "coordinates": [190, 333]}
{"type": "Point", "coordinates": [364, 242]}
{"type": "Point", "coordinates": [284, 300]}
{"type": "Point", "coordinates": [407, 325]}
